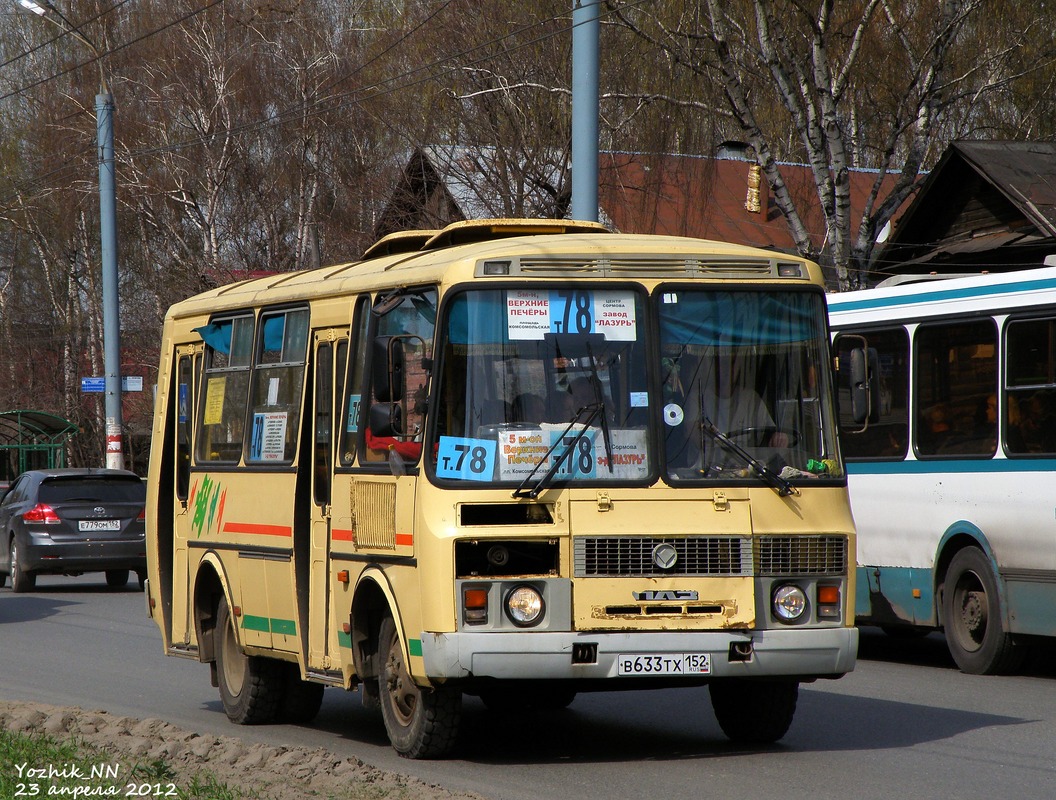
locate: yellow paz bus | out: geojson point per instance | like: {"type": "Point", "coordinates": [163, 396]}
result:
{"type": "Point", "coordinates": [511, 459]}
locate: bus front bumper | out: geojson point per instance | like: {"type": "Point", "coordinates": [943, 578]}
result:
{"type": "Point", "coordinates": [804, 652]}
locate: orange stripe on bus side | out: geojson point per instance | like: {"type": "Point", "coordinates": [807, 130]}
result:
{"type": "Point", "coordinates": [405, 539]}
{"type": "Point", "coordinates": [343, 535]}
{"type": "Point", "coordinates": [261, 530]}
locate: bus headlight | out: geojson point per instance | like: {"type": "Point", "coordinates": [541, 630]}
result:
{"type": "Point", "coordinates": [789, 602]}
{"type": "Point", "coordinates": [524, 606]}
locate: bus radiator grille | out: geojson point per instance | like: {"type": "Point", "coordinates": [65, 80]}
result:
{"type": "Point", "coordinates": [633, 556]}
{"type": "Point", "coordinates": [801, 555]}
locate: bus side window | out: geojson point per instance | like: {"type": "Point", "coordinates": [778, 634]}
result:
{"type": "Point", "coordinates": [225, 388]}
{"type": "Point", "coordinates": [956, 382]}
{"type": "Point", "coordinates": [1030, 387]}
{"type": "Point", "coordinates": [413, 320]}
{"type": "Point", "coordinates": [183, 426]}
{"type": "Point", "coordinates": [324, 398]}
{"type": "Point", "coordinates": [278, 380]}
{"type": "Point", "coordinates": [351, 408]}
{"type": "Point", "coordinates": [887, 436]}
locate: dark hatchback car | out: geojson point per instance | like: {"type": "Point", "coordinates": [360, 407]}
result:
{"type": "Point", "coordinates": [71, 521]}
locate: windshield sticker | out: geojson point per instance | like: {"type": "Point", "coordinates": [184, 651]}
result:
{"type": "Point", "coordinates": [465, 459]}
{"type": "Point", "coordinates": [531, 314]}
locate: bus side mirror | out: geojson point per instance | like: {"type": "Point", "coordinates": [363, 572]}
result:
{"type": "Point", "coordinates": [387, 366]}
{"type": "Point", "coordinates": [865, 387]}
{"type": "Point", "coordinates": [386, 419]}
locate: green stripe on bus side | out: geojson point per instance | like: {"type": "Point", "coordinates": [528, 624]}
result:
{"type": "Point", "coordinates": [413, 645]}
{"type": "Point", "coordinates": [283, 627]}
{"type": "Point", "coordinates": [252, 623]}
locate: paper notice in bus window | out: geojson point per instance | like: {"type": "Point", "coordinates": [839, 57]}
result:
{"type": "Point", "coordinates": [614, 316]}
{"type": "Point", "coordinates": [214, 401]}
{"type": "Point", "coordinates": [268, 442]}
{"type": "Point", "coordinates": [532, 313]}
{"type": "Point", "coordinates": [352, 423]}
{"type": "Point", "coordinates": [465, 459]}
{"type": "Point", "coordinates": [519, 452]}
{"type": "Point", "coordinates": [527, 313]}
{"type": "Point", "coordinates": [629, 456]}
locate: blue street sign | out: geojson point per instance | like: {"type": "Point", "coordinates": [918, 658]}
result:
{"type": "Point", "coordinates": [93, 384]}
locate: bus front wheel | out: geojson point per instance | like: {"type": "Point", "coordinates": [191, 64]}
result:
{"type": "Point", "coordinates": [421, 723]}
{"type": "Point", "coordinates": [251, 687]}
{"type": "Point", "coordinates": [754, 711]}
{"type": "Point", "coordinates": [971, 612]}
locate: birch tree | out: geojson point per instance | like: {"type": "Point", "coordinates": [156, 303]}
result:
{"type": "Point", "coordinates": [817, 70]}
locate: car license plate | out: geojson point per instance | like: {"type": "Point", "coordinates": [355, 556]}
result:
{"type": "Point", "coordinates": [631, 664]}
{"type": "Point", "coordinates": [99, 525]}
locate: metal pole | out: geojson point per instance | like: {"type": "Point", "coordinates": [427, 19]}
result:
{"type": "Point", "coordinates": [104, 112]}
{"type": "Point", "coordinates": [585, 38]}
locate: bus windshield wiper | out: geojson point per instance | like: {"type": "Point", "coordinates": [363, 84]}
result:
{"type": "Point", "coordinates": [780, 485]}
{"type": "Point", "coordinates": [599, 403]}
{"type": "Point", "coordinates": [548, 476]}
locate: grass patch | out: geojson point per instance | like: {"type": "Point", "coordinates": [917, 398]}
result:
{"type": "Point", "coordinates": [38, 765]}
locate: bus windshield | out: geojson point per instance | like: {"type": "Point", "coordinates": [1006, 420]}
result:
{"type": "Point", "coordinates": [545, 385]}
{"type": "Point", "coordinates": [744, 377]}
{"type": "Point", "coordinates": [544, 381]}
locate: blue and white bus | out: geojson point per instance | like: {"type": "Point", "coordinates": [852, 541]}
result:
{"type": "Point", "coordinates": [947, 394]}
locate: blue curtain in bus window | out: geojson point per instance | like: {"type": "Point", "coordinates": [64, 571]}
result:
{"type": "Point", "coordinates": [273, 331]}
{"type": "Point", "coordinates": [483, 313]}
{"type": "Point", "coordinates": [217, 335]}
{"type": "Point", "coordinates": [738, 318]}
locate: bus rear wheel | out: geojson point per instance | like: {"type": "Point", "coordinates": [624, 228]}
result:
{"type": "Point", "coordinates": [421, 723]}
{"type": "Point", "coordinates": [754, 711]}
{"type": "Point", "coordinates": [251, 687]}
{"type": "Point", "coordinates": [971, 615]}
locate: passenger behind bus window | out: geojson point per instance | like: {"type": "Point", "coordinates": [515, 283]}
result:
{"type": "Point", "coordinates": [935, 430]}
{"type": "Point", "coordinates": [1031, 423]}
{"type": "Point", "coordinates": [972, 434]}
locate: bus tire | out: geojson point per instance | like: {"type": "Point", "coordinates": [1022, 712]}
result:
{"type": "Point", "coordinates": [421, 723]}
{"type": "Point", "coordinates": [971, 615]}
{"type": "Point", "coordinates": [301, 699]}
{"type": "Point", "coordinates": [251, 687]}
{"type": "Point", "coordinates": [754, 711]}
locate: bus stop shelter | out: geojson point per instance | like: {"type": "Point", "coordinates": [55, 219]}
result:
{"type": "Point", "coordinates": [32, 440]}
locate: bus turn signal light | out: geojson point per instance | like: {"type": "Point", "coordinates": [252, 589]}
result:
{"type": "Point", "coordinates": [829, 601]}
{"type": "Point", "coordinates": [475, 605]}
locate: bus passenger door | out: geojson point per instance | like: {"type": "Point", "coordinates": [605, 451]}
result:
{"type": "Point", "coordinates": [179, 525]}
{"type": "Point", "coordinates": [331, 352]}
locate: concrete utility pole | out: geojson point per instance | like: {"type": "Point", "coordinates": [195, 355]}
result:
{"type": "Point", "coordinates": [104, 126]}
{"type": "Point", "coordinates": [585, 46]}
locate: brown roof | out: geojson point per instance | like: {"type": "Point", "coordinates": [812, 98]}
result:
{"type": "Point", "coordinates": [706, 197]}
{"type": "Point", "coordinates": [986, 205]}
